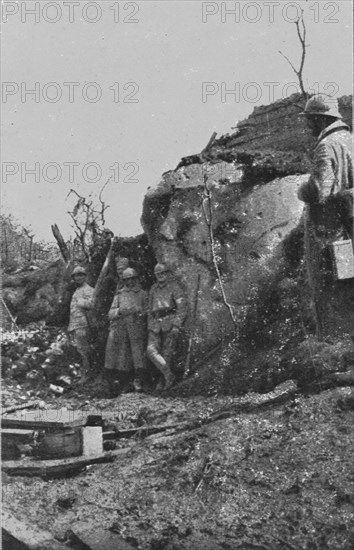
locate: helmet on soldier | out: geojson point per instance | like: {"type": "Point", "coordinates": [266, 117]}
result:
{"type": "Point", "coordinates": [160, 268]}
{"type": "Point", "coordinates": [79, 271]}
{"type": "Point", "coordinates": [322, 104]}
{"type": "Point", "coordinates": [129, 273]}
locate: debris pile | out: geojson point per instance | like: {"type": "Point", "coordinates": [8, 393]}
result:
{"type": "Point", "coordinates": [35, 362]}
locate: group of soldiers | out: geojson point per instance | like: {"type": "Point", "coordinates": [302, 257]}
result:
{"type": "Point", "coordinates": [147, 326]}
{"type": "Point", "coordinates": [142, 325]}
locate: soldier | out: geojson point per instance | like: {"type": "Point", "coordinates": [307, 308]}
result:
{"type": "Point", "coordinates": [167, 313]}
{"type": "Point", "coordinates": [328, 213]}
{"type": "Point", "coordinates": [121, 265]}
{"type": "Point", "coordinates": [127, 334]}
{"type": "Point", "coordinates": [79, 326]}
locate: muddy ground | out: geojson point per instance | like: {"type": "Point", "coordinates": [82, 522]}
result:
{"type": "Point", "coordinates": [275, 478]}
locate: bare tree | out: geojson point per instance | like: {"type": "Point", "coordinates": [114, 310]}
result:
{"type": "Point", "coordinates": [88, 217]}
{"type": "Point", "coordinates": [301, 32]}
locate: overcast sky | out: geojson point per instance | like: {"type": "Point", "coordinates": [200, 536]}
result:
{"type": "Point", "coordinates": [148, 61]}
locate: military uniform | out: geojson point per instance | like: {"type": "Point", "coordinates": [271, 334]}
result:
{"type": "Point", "coordinates": [331, 178]}
{"type": "Point", "coordinates": [79, 326]}
{"type": "Point", "coordinates": [127, 333]}
{"type": "Point", "coordinates": [167, 312]}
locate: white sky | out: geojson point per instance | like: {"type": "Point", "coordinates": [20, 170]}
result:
{"type": "Point", "coordinates": [168, 53]}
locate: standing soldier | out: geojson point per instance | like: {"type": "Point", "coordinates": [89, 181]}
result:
{"type": "Point", "coordinates": [121, 265]}
{"type": "Point", "coordinates": [167, 313]}
{"type": "Point", "coordinates": [79, 326]}
{"type": "Point", "coordinates": [127, 335]}
{"type": "Point", "coordinates": [328, 214]}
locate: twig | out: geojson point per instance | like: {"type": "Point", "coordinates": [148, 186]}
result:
{"type": "Point", "coordinates": [208, 221]}
{"type": "Point", "coordinates": [103, 205]}
{"type": "Point", "coordinates": [301, 32]}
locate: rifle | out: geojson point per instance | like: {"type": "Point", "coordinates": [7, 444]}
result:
{"type": "Point", "coordinates": [192, 331]}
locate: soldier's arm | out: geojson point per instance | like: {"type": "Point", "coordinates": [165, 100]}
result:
{"type": "Point", "coordinates": [323, 178]}
{"type": "Point", "coordinates": [149, 307]}
{"type": "Point", "coordinates": [87, 302]}
{"type": "Point", "coordinates": [114, 311]}
{"type": "Point", "coordinates": [145, 303]}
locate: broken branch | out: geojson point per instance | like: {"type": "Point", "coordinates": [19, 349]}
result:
{"type": "Point", "coordinates": [301, 32]}
{"type": "Point", "coordinates": [208, 220]}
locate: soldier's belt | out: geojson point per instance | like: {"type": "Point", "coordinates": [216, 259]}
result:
{"type": "Point", "coordinates": [161, 313]}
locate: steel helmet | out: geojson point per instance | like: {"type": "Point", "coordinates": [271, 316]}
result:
{"type": "Point", "coordinates": [322, 104]}
{"type": "Point", "coordinates": [160, 268]}
{"type": "Point", "coordinates": [79, 271]}
{"type": "Point", "coordinates": [129, 273]}
{"type": "Point", "coordinates": [122, 263]}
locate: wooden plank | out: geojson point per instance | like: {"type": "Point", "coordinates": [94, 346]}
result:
{"type": "Point", "coordinates": [17, 535]}
{"type": "Point", "coordinates": [63, 247]}
{"type": "Point", "coordinates": [83, 537]}
{"type": "Point", "coordinates": [44, 419]}
{"type": "Point", "coordinates": [143, 431]}
{"type": "Point", "coordinates": [30, 405]}
{"type": "Point", "coordinates": [56, 468]}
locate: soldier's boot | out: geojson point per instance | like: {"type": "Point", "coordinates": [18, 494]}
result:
{"type": "Point", "coordinates": [125, 383]}
{"type": "Point", "coordinates": [169, 378]}
{"type": "Point", "coordinates": [105, 383]}
{"type": "Point", "coordinates": [161, 384]}
{"type": "Point", "coordinates": [138, 382]}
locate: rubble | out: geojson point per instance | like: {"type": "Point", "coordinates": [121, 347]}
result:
{"type": "Point", "coordinates": [36, 361]}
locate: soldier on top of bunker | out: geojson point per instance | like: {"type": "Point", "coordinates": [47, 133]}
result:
{"type": "Point", "coordinates": [328, 216]}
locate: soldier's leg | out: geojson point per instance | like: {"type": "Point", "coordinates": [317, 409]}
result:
{"type": "Point", "coordinates": [169, 346]}
{"type": "Point", "coordinates": [83, 347]}
{"type": "Point", "coordinates": [153, 353]}
{"type": "Point", "coordinates": [155, 343]}
{"type": "Point", "coordinates": [104, 383]}
{"type": "Point", "coordinates": [123, 358]}
{"type": "Point", "coordinates": [137, 337]}
{"type": "Point", "coordinates": [169, 342]}
{"type": "Point", "coordinates": [110, 361]}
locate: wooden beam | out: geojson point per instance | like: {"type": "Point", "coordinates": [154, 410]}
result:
{"type": "Point", "coordinates": [52, 468]}
{"type": "Point", "coordinates": [45, 419]}
{"type": "Point", "coordinates": [61, 243]}
{"type": "Point", "coordinates": [31, 405]}
{"type": "Point", "coordinates": [143, 431]}
{"type": "Point", "coordinates": [57, 468]}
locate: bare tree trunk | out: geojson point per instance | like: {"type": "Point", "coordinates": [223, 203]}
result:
{"type": "Point", "coordinates": [61, 243]}
{"type": "Point", "coordinates": [103, 284]}
{"type": "Point", "coordinates": [30, 249]}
